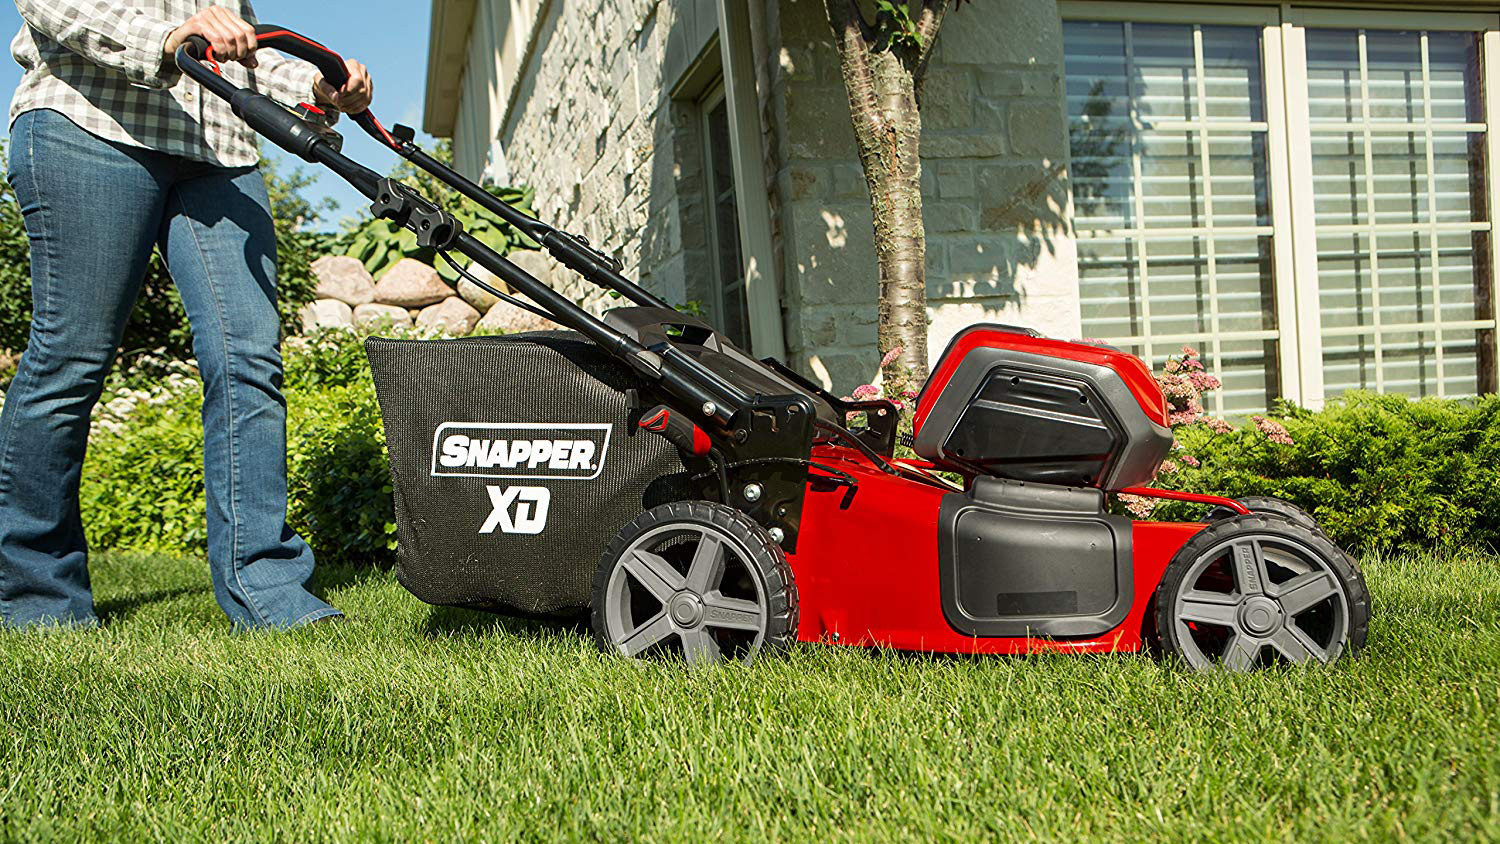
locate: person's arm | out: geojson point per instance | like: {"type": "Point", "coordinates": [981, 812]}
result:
{"type": "Point", "coordinates": [121, 37]}
{"type": "Point", "coordinates": [293, 81]}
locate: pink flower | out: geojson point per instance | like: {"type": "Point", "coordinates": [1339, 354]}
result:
{"type": "Point", "coordinates": [1172, 365]}
{"type": "Point", "coordinates": [891, 356]}
{"type": "Point", "coordinates": [1274, 431]}
{"type": "Point", "coordinates": [1218, 426]}
{"type": "Point", "coordinates": [1189, 351]}
{"type": "Point", "coordinates": [1138, 505]}
{"type": "Point", "coordinates": [1191, 460]}
{"type": "Point", "coordinates": [1167, 467]}
{"type": "Point", "coordinates": [1203, 382]}
{"type": "Point", "coordinates": [866, 391]}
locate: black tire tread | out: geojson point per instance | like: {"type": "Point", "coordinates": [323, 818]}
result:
{"type": "Point", "coordinates": [764, 554]}
{"type": "Point", "coordinates": [1268, 504]}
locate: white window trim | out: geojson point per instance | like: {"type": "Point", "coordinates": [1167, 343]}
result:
{"type": "Point", "coordinates": [1289, 153]}
{"type": "Point", "coordinates": [752, 201]}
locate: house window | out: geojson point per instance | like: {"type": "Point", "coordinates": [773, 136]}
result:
{"type": "Point", "coordinates": [1305, 201]}
{"type": "Point", "coordinates": [1398, 130]}
{"type": "Point", "coordinates": [1168, 136]}
{"type": "Point", "coordinates": [729, 308]}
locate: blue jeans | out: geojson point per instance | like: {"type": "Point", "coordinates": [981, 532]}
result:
{"type": "Point", "coordinates": [93, 212]}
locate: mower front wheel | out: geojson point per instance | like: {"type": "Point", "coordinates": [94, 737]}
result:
{"type": "Point", "coordinates": [694, 578]}
{"type": "Point", "coordinates": [1260, 589]}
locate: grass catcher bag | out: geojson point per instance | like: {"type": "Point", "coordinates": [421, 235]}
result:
{"type": "Point", "coordinates": [515, 460]}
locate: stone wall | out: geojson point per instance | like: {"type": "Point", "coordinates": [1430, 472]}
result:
{"type": "Point", "coordinates": [594, 129]}
{"type": "Point", "coordinates": [995, 195]}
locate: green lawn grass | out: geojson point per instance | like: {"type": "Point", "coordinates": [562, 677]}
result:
{"type": "Point", "coordinates": [423, 724]}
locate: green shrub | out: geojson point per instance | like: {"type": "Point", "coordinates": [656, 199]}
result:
{"type": "Point", "coordinates": [1380, 472]}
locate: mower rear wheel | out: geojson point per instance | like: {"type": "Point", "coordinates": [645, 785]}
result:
{"type": "Point", "coordinates": [694, 578]}
{"type": "Point", "coordinates": [1267, 504]}
{"type": "Point", "coordinates": [1261, 589]}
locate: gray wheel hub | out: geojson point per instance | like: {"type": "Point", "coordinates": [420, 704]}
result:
{"type": "Point", "coordinates": [1260, 615]}
{"type": "Point", "coordinates": [694, 610]}
{"type": "Point", "coordinates": [686, 609]}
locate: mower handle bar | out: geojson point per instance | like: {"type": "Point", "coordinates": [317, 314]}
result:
{"type": "Point", "coordinates": [573, 251]}
{"type": "Point", "coordinates": [677, 374]}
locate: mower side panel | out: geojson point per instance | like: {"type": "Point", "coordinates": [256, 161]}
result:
{"type": "Point", "coordinates": [867, 568]}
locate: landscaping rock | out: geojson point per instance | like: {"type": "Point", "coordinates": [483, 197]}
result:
{"type": "Point", "coordinates": [374, 313]}
{"type": "Point", "coordinates": [411, 284]}
{"type": "Point", "coordinates": [343, 278]}
{"type": "Point", "coordinates": [481, 300]}
{"type": "Point", "coordinates": [453, 315]}
{"type": "Point", "coordinates": [509, 319]}
{"type": "Point", "coordinates": [326, 313]}
{"type": "Point", "coordinates": [540, 264]}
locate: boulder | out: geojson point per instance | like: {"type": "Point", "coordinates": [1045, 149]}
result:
{"type": "Point", "coordinates": [540, 264]}
{"type": "Point", "coordinates": [411, 284]}
{"type": "Point", "coordinates": [474, 295]}
{"type": "Point", "coordinates": [452, 315]}
{"type": "Point", "coordinates": [373, 313]}
{"type": "Point", "coordinates": [326, 313]}
{"type": "Point", "coordinates": [506, 318]}
{"type": "Point", "coordinates": [343, 278]}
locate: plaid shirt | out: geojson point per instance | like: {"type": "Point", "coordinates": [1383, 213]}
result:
{"type": "Point", "coordinates": [100, 64]}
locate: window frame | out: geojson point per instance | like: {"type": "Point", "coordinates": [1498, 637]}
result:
{"type": "Point", "coordinates": [714, 96]}
{"type": "Point", "coordinates": [1294, 234]}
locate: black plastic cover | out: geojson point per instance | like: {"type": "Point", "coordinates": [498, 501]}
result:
{"type": "Point", "coordinates": [1020, 559]}
{"type": "Point", "coordinates": [1034, 417]}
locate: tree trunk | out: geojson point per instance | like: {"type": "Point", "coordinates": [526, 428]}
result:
{"type": "Point", "coordinates": [884, 82]}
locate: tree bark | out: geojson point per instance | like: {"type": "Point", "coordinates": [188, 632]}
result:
{"type": "Point", "coordinates": [883, 76]}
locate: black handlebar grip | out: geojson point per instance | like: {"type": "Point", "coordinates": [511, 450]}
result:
{"type": "Point", "coordinates": [197, 46]}
{"type": "Point", "coordinates": [328, 63]}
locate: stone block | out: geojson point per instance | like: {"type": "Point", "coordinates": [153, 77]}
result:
{"type": "Point", "coordinates": [505, 318]}
{"type": "Point", "coordinates": [955, 179]}
{"type": "Point", "coordinates": [979, 144]}
{"type": "Point", "coordinates": [1005, 32]}
{"type": "Point", "coordinates": [833, 246]}
{"type": "Point", "coordinates": [536, 262]}
{"type": "Point", "coordinates": [948, 99]}
{"type": "Point", "coordinates": [1037, 129]}
{"type": "Point", "coordinates": [807, 181]}
{"type": "Point", "coordinates": [939, 217]}
{"type": "Point", "coordinates": [343, 278]}
{"type": "Point", "coordinates": [411, 284]}
{"type": "Point", "coordinates": [1015, 196]}
{"type": "Point", "coordinates": [849, 182]}
{"type": "Point", "coordinates": [818, 124]}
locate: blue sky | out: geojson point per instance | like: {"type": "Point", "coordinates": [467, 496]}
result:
{"type": "Point", "coordinates": [388, 36]}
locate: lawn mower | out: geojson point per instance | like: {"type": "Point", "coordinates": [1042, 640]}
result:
{"type": "Point", "coordinates": [733, 507]}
